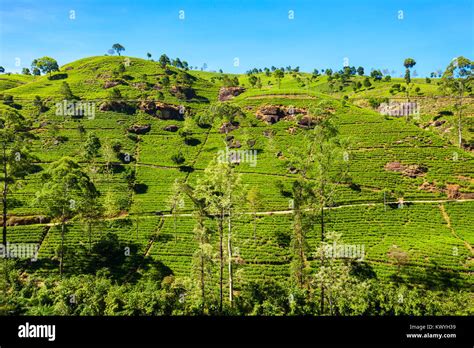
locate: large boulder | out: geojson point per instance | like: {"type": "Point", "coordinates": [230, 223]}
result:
{"type": "Point", "coordinates": [414, 170]}
{"type": "Point", "coordinates": [111, 83]}
{"type": "Point", "coordinates": [307, 121]}
{"type": "Point", "coordinates": [139, 129]}
{"type": "Point", "coordinates": [234, 144]}
{"type": "Point", "coordinates": [171, 128]}
{"type": "Point", "coordinates": [274, 113]}
{"type": "Point", "coordinates": [117, 106]}
{"type": "Point", "coordinates": [228, 127]}
{"type": "Point", "coordinates": [160, 110]}
{"type": "Point", "coordinates": [226, 93]}
{"type": "Point", "coordinates": [184, 93]}
{"type": "Point", "coordinates": [148, 106]}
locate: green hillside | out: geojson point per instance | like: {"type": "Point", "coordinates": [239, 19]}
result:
{"type": "Point", "coordinates": [427, 214]}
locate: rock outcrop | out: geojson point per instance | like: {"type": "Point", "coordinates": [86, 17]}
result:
{"type": "Point", "coordinates": [111, 83]}
{"type": "Point", "coordinates": [139, 129]}
{"type": "Point", "coordinates": [226, 93]}
{"type": "Point", "coordinates": [160, 110]}
{"type": "Point", "coordinates": [117, 106]}
{"type": "Point", "coordinates": [411, 170]}
{"type": "Point", "coordinates": [228, 127]}
{"type": "Point", "coordinates": [274, 113]}
{"type": "Point", "coordinates": [171, 128]}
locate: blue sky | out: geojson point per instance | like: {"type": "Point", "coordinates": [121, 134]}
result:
{"type": "Point", "coordinates": [259, 33]}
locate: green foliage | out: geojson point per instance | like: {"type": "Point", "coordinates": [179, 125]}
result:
{"type": "Point", "coordinates": [66, 91]}
{"type": "Point", "coordinates": [118, 48]}
{"type": "Point", "coordinates": [45, 64]}
{"type": "Point", "coordinates": [92, 146]}
{"type": "Point", "coordinates": [278, 74]}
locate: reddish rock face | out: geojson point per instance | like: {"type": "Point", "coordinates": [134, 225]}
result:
{"type": "Point", "coordinates": [228, 127]}
{"type": "Point", "coordinates": [453, 191]}
{"type": "Point", "coordinates": [274, 113]}
{"type": "Point", "coordinates": [394, 167]}
{"type": "Point", "coordinates": [110, 84]}
{"type": "Point", "coordinates": [160, 110]}
{"type": "Point", "coordinates": [226, 93]}
{"type": "Point", "coordinates": [412, 170]}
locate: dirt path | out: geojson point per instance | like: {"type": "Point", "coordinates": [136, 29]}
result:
{"type": "Point", "coordinates": [448, 221]}
{"type": "Point", "coordinates": [289, 211]}
{"type": "Point", "coordinates": [282, 96]}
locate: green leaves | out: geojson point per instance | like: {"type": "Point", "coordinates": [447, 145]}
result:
{"type": "Point", "coordinates": [45, 65]}
{"type": "Point", "coordinates": [67, 189]}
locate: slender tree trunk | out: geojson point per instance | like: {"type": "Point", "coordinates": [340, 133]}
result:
{"type": "Point", "coordinates": [4, 195]}
{"type": "Point", "coordinates": [322, 257]}
{"type": "Point", "coordinates": [459, 120]}
{"type": "Point", "coordinates": [229, 251]}
{"type": "Point", "coordinates": [202, 240]}
{"type": "Point", "coordinates": [255, 226]}
{"type": "Point", "coordinates": [203, 289]}
{"type": "Point", "coordinates": [90, 236]}
{"type": "Point", "coordinates": [4, 213]}
{"type": "Point", "coordinates": [61, 258]}
{"type": "Point", "coordinates": [221, 256]}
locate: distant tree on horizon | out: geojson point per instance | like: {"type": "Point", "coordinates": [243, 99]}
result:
{"type": "Point", "coordinates": [118, 48]}
{"type": "Point", "coordinates": [408, 63]}
{"type": "Point", "coordinates": [278, 74]}
{"type": "Point", "coordinates": [376, 75]}
{"type": "Point", "coordinates": [148, 55]}
{"type": "Point", "coordinates": [164, 60]}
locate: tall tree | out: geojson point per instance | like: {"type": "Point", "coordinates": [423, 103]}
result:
{"type": "Point", "coordinates": [202, 263]}
{"type": "Point", "coordinates": [408, 64]}
{"type": "Point", "coordinates": [457, 80]}
{"type": "Point", "coordinates": [321, 167]}
{"type": "Point", "coordinates": [16, 161]}
{"type": "Point", "coordinates": [343, 291]}
{"type": "Point", "coordinates": [219, 193]}
{"type": "Point", "coordinates": [66, 192]}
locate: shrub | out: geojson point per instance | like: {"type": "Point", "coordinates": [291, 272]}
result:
{"type": "Point", "coordinates": [178, 158]}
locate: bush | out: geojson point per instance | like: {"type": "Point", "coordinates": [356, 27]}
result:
{"type": "Point", "coordinates": [178, 158]}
